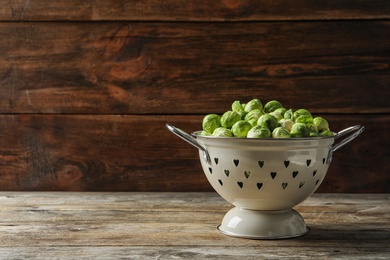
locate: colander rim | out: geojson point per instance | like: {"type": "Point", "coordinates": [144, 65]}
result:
{"type": "Point", "coordinates": [196, 134]}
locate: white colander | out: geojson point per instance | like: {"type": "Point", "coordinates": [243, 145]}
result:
{"type": "Point", "coordinates": [265, 178]}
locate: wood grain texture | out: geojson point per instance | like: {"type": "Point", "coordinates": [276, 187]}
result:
{"type": "Point", "coordinates": [173, 10]}
{"type": "Point", "coordinates": [138, 153]}
{"type": "Point", "coordinates": [181, 226]}
{"type": "Point", "coordinates": [193, 68]}
{"type": "Point", "coordinates": [86, 87]}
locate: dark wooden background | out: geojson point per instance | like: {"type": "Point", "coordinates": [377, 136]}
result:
{"type": "Point", "coordinates": [87, 87]}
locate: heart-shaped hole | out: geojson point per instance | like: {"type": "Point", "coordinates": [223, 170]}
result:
{"type": "Point", "coordinates": [236, 162]}
{"type": "Point", "coordinates": [211, 170]}
{"type": "Point", "coordinates": [227, 173]}
{"type": "Point", "coordinates": [273, 175]}
{"type": "Point", "coordinates": [308, 161]}
{"type": "Point", "coordinates": [259, 185]}
{"type": "Point", "coordinates": [301, 184]}
{"type": "Point", "coordinates": [284, 185]}
{"type": "Point", "coordinates": [294, 174]}
{"type": "Point", "coordinates": [240, 184]}
{"type": "Point", "coordinates": [261, 164]}
{"type": "Point", "coordinates": [220, 182]}
{"type": "Point", "coordinates": [216, 160]}
{"type": "Point", "coordinates": [247, 174]}
{"type": "Point", "coordinates": [314, 173]}
{"type": "Point", "coordinates": [286, 163]}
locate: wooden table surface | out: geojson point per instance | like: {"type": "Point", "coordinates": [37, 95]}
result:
{"type": "Point", "coordinates": [98, 225]}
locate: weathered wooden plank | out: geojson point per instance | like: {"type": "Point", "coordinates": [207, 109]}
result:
{"type": "Point", "coordinates": [145, 225]}
{"type": "Point", "coordinates": [192, 252]}
{"type": "Point", "coordinates": [95, 233]}
{"type": "Point", "coordinates": [206, 202]}
{"type": "Point", "coordinates": [138, 153]}
{"type": "Point", "coordinates": [193, 68]}
{"type": "Point", "coordinates": [173, 10]}
{"type": "Point", "coordinates": [136, 207]}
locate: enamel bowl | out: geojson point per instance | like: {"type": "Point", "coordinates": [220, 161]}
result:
{"type": "Point", "coordinates": [264, 178]}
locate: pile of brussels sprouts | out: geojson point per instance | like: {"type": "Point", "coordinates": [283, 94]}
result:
{"type": "Point", "coordinates": [253, 120]}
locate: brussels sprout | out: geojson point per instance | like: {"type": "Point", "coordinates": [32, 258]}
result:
{"type": "Point", "coordinates": [253, 104]}
{"type": "Point", "coordinates": [276, 115]}
{"type": "Point", "coordinates": [241, 128]}
{"type": "Point", "coordinates": [313, 128]}
{"type": "Point", "coordinates": [253, 116]}
{"type": "Point", "coordinates": [242, 115]}
{"type": "Point", "coordinates": [314, 131]}
{"type": "Point", "coordinates": [272, 106]}
{"type": "Point", "coordinates": [286, 123]}
{"type": "Point", "coordinates": [314, 134]}
{"type": "Point", "coordinates": [299, 130]}
{"type": "Point", "coordinates": [321, 124]}
{"type": "Point", "coordinates": [306, 119]}
{"type": "Point", "coordinates": [289, 114]}
{"type": "Point", "coordinates": [281, 132]}
{"type": "Point", "coordinates": [326, 133]}
{"type": "Point", "coordinates": [281, 111]}
{"type": "Point", "coordinates": [259, 132]}
{"type": "Point", "coordinates": [204, 133]}
{"type": "Point", "coordinates": [301, 112]}
{"type": "Point", "coordinates": [252, 120]}
{"type": "Point", "coordinates": [237, 107]}
{"type": "Point", "coordinates": [211, 122]}
{"type": "Point", "coordinates": [222, 132]}
{"type": "Point", "coordinates": [229, 118]}
{"type": "Point", "coordinates": [268, 121]}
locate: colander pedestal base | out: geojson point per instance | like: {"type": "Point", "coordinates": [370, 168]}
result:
{"type": "Point", "coordinates": [257, 224]}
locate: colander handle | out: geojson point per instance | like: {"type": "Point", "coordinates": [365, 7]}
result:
{"type": "Point", "coordinates": [189, 139]}
{"type": "Point", "coordinates": [354, 131]}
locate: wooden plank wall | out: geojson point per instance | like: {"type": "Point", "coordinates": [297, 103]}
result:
{"type": "Point", "coordinates": [86, 87]}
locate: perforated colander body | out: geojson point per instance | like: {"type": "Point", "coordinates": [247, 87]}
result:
{"type": "Point", "coordinates": [265, 174]}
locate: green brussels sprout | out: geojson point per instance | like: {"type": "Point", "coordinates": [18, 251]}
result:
{"type": "Point", "coordinates": [314, 131]}
{"type": "Point", "coordinates": [237, 106]}
{"type": "Point", "coordinates": [280, 132]}
{"type": "Point", "coordinates": [301, 112]}
{"type": "Point", "coordinates": [241, 128]}
{"type": "Point", "coordinates": [222, 132]}
{"type": "Point", "coordinates": [259, 132]}
{"type": "Point", "coordinates": [204, 133]}
{"type": "Point", "coordinates": [286, 123]}
{"type": "Point", "coordinates": [268, 121]}
{"type": "Point", "coordinates": [253, 104]}
{"type": "Point", "coordinates": [289, 114]}
{"type": "Point", "coordinates": [253, 116]}
{"type": "Point", "coordinates": [276, 115]}
{"type": "Point", "coordinates": [321, 124]}
{"type": "Point", "coordinates": [300, 130]}
{"type": "Point", "coordinates": [272, 106]}
{"type": "Point", "coordinates": [281, 111]}
{"type": "Point", "coordinates": [326, 133]}
{"type": "Point", "coordinates": [211, 122]}
{"type": "Point", "coordinates": [243, 114]}
{"type": "Point", "coordinates": [314, 134]}
{"type": "Point", "coordinates": [229, 118]}
{"type": "Point", "coordinates": [306, 119]}
{"type": "Point", "coordinates": [252, 120]}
